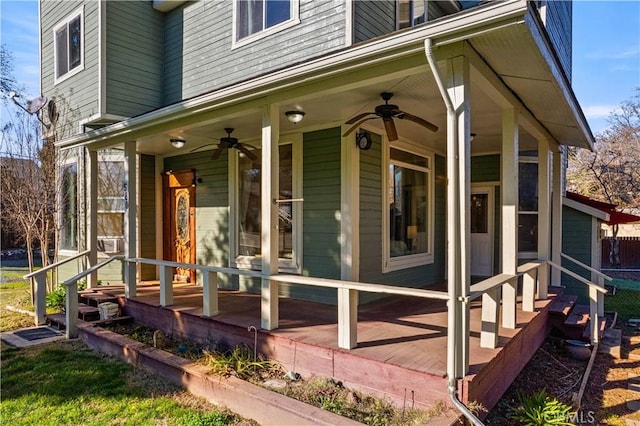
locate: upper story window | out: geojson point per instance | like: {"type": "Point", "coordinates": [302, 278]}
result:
{"type": "Point", "coordinates": [255, 19]}
{"type": "Point", "coordinates": [68, 40]}
{"type": "Point", "coordinates": [409, 197]}
{"type": "Point", "coordinates": [411, 13]}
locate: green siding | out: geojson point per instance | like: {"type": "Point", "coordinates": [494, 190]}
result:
{"type": "Point", "coordinates": [147, 214]}
{"type": "Point", "coordinates": [109, 274]}
{"type": "Point", "coordinates": [576, 242]}
{"type": "Point", "coordinates": [371, 227]}
{"type": "Point", "coordinates": [321, 191]}
{"type": "Point", "coordinates": [77, 96]}
{"type": "Point", "coordinates": [485, 168]}
{"type": "Point", "coordinates": [212, 211]}
{"type": "Point", "coordinates": [373, 19]}
{"type": "Point", "coordinates": [134, 49]}
{"type": "Point", "coordinates": [201, 33]}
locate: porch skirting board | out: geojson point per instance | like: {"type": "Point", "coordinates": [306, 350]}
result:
{"type": "Point", "coordinates": [403, 386]}
{"type": "Point", "coordinates": [243, 398]}
{"type": "Point", "coordinates": [490, 381]}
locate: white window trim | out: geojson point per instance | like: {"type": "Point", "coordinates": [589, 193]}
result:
{"type": "Point", "coordinates": [65, 22]}
{"type": "Point", "coordinates": [410, 261]}
{"type": "Point", "coordinates": [295, 20]}
{"type": "Point", "coordinates": [293, 265]}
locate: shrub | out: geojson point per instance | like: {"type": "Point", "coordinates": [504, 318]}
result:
{"type": "Point", "coordinates": [541, 409]}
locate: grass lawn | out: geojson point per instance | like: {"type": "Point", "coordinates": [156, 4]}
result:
{"type": "Point", "coordinates": [14, 291]}
{"type": "Point", "coordinates": [66, 383]}
{"type": "Point", "coordinates": [626, 302]}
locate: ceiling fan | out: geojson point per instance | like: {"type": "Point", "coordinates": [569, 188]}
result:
{"type": "Point", "coordinates": [230, 142]}
{"type": "Point", "coordinates": [388, 112]}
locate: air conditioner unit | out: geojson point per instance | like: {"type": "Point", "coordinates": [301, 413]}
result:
{"type": "Point", "coordinates": [110, 245]}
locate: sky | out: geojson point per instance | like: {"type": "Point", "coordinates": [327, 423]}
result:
{"type": "Point", "coordinates": [606, 52]}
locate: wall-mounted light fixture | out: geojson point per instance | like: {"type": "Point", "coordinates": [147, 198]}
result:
{"type": "Point", "coordinates": [177, 142]}
{"type": "Point", "coordinates": [294, 116]}
{"type": "Point", "coordinates": [363, 140]}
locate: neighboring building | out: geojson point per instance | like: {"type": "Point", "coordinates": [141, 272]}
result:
{"type": "Point", "coordinates": [474, 157]}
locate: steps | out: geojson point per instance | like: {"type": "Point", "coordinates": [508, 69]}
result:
{"type": "Point", "coordinates": [571, 319]}
{"type": "Point", "coordinates": [89, 309]}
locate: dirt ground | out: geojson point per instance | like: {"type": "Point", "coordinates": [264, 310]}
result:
{"type": "Point", "coordinates": [606, 395]}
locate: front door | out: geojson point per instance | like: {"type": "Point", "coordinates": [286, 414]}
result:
{"type": "Point", "coordinates": [179, 222]}
{"type": "Point", "coordinates": [482, 231]}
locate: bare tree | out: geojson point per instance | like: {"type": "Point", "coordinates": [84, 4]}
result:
{"type": "Point", "coordinates": [611, 172]}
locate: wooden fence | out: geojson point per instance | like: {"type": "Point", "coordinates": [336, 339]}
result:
{"type": "Point", "coordinates": [621, 253]}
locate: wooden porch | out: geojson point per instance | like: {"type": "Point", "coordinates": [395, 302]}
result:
{"type": "Point", "coordinates": [401, 350]}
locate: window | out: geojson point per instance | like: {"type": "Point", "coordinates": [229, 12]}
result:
{"type": "Point", "coordinates": [111, 206]}
{"type": "Point", "coordinates": [249, 212]}
{"type": "Point", "coordinates": [528, 207]}
{"type": "Point", "coordinates": [408, 226]}
{"type": "Point", "coordinates": [69, 207]}
{"type": "Point", "coordinates": [411, 13]}
{"type": "Point", "coordinates": [68, 46]}
{"type": "Point", "coordinates": [257, 18]}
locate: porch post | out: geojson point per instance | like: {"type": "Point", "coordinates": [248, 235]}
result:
{"type": "Point", "coordinates": [347, 318]}
{"type": "Point", "coordinates": [270, 190]}
{"type": "Point", "coordinates": [544, 216]}
{"type": "Point", "coordinates": [556, 248]}
{"type": "Point", "coordinates": [166, 285]}
{"type": "Point", "coordinates": [349, 243]}
{"type": "Point", "coordinates": [209, 293]}
{"type": "Point", "coordinates": [131, 246]}
{"type": "Point", "coordinates": [92, 225]}
{"type": "Point", "coordinates": [509, 186]}
{"type": "Point", "coordinates": [458, 193]}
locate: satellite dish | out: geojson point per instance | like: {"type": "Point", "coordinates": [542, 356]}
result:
{"type": "Point", "coordinates": [35, 105]}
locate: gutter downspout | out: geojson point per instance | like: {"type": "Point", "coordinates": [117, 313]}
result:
{"type": "Point", "coordinates": [452, 304]}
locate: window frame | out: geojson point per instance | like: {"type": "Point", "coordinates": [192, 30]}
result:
{"type": "Point", "coordinates": [78, 13]}
{"type": "Point", "coordinates": [528, 254]}
{"type": "Point", "coordinates": [265, 32]}
{"type": "Point", "coordinates": [111, 158]}
{"type": "Point", "coordinates": [390, 264]}
{"type": "Point", "coordinates": [293, 265]}
{"type": "Point", "coordinates": [61, 211]}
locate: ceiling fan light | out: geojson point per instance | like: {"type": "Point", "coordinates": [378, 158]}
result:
{"type": "Point", "coordinates": [294, 116]}
{"type": "Point", "coordinates": [177, 142]}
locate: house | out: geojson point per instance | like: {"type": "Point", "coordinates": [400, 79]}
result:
{"type": "Point", "coordinates": [327, 151]}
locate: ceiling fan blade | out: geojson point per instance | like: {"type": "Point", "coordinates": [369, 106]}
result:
{"type": "Point", "coordinates": [246, 152]}
{"type": "Point", "coordinates": [417, 120]}
{"type": "Point", "coordinates": [202, 146]}
{"type": "Point", "coordinates": [390, 127]}
{"type": "Point", "coordinates": [218, 151]}
{"type": "Point", "coordinates": [358, 117]}
{"type": "Point", "coordinates": [355, 126]}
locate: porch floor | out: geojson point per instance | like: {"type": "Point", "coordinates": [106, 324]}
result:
{"type": "Point", "coordinates": [400, 339]}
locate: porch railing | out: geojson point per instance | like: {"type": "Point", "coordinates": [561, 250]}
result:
{"type": "Point", "coordinates": [596, 293]}
{"type": "Point", "coordinates": [40, 276]}
{"type": "Point", "coordinates": [347, 292]}
{"type": "Point", "coordinates": [71, 303]}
